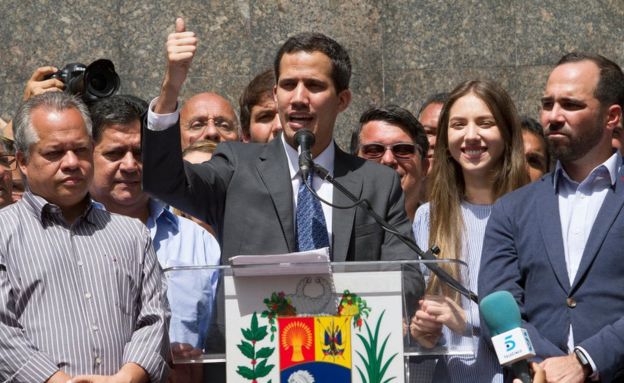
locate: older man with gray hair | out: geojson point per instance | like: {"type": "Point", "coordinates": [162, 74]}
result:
{"type": "Point", "coordinates": [80, 288]}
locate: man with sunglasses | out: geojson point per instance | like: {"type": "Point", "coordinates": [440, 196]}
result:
{"type": "Point", "coordinates": [392, 136]}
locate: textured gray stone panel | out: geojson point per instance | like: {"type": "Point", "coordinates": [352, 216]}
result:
{"type": "Point", "coordinates": [11, 96]}
{"type": "Point", "coordinates": [429, 34]}
{"type": "Point", "coordinates": [530, 82]}
{"type": "Point", "coordinates": [266, 34]}
{"type": "Point", "coordinates": [547, 30]}
{"type": "Point", "coordinates": [144, 28]}
{"type": "Point", "coordinates": [38, 33]}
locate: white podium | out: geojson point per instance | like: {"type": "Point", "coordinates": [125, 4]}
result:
{"type": "Point", "coordinates": [338, 322]}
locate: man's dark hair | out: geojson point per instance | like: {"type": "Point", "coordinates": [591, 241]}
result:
{"type": "Point", "coordinates": [610, 88]}
{"type": "Point", "coordinates": [438, 98]}
{"type": "Point", "coordinates": [255, 92]}
{"type": "Point", "coordinates": [117, 109]}
{"type": "Point", "coordinates": [317, 42]}
{"type": "Point", "coordinates": [532, 126]}
{"type": "Point", "coordinates": [395, 115]}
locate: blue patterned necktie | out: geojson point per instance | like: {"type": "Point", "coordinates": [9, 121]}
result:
{"type": "Point", "coordinates": [311, 227]}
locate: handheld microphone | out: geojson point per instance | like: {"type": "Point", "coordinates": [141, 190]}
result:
{"type": "Point", "coordinates": [511, 342]}
{"type": "Point", "coordinates": [305, 140]}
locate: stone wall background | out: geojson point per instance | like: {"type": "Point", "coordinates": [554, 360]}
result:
{"type": "Point", "coordinates": [401, 50]}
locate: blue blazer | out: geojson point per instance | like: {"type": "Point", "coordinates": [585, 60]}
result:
{"type": "Point", "coordinates": [523, 253]}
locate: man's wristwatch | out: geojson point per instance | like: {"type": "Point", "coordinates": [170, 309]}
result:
{"type": "Point", "coordinates": [582, 358]}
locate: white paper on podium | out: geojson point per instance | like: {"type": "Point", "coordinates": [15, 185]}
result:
{"type": "Point", "coordinates": [304, 262]}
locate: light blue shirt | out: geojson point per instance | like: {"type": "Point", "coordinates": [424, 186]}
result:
{"type": "Point", "coordinates": [579, 204]}
{"type": "Point", "coordinates": [181, 242]}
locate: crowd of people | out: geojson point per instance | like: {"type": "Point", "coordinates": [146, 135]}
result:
{"type": "Point", "coordinates": [97, 200]}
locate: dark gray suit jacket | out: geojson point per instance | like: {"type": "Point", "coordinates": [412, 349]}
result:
{"type": "Point", "coordinates": [245, 193]}
{"type": "Point", "coordinates": [523, 254]}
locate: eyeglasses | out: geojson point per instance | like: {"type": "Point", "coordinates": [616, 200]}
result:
{"type": "Point", "coordinates": [222, 124]}
{"type": "Point", "coordinates": [401, 150]}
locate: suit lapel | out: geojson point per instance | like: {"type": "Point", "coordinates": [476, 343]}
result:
{"type": "Point", "coordinates": [608, 212]}
{"type": "Point", "coordinates": [550, 228]}
{"type": "Point", "coordinates": [343, 219]}
{"type": "Point", "coordinates": [273, 169]}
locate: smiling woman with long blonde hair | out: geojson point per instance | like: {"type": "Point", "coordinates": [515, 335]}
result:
{"type": "Point", "coordinates": [478, 158]}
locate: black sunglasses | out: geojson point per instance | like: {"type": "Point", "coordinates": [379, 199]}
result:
{"type": "Point", "coordinates": [400, 150]}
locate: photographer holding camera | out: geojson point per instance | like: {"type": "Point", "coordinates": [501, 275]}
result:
{"type": "Point", "coordinates": [41, 83]}
{"type": "Point", "coordinates": [93, 82]}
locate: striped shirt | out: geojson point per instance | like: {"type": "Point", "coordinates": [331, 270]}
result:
{"type": "Point", "coordinates": [484, 366]}
{"type": "Point", "coordinates": [84, 298]}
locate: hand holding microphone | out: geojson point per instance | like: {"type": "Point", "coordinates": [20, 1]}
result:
{"type": "Point", "coordinates": [539, 375]}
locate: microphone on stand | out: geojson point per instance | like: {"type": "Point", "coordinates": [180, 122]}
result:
{"type": "Point", "coordinates": [305, 140]}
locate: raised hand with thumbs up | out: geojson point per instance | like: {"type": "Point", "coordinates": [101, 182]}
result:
{"type": "Point", "coordinates": [181, 46]}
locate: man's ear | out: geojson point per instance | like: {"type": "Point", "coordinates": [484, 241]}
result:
{"type": "Point", "coordinates": [614, 116]}
{"type": "Point", "coordinates": [344, 99]}
{"type": "Point", "coordinates": [22, 162]}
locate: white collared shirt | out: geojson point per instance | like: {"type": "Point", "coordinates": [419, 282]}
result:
{"type": "Point", "coordinates": [579, 204]}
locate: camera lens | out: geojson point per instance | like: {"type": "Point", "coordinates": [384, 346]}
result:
{"type": "Point", "coordinates": [98, 83]}
{"type": "Point", "coordinates": [101, 80]}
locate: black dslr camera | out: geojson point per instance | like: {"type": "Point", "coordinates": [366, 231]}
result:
{"type": "Point", "coordinates": [96, 81]}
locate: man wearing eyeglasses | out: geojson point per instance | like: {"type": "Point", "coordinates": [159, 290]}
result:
{"type": "Point", "coordinates": [392, 136]}
{"type": "Point", "coordinates": [208, 116]}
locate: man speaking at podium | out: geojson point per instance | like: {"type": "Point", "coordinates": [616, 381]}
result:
{"type": "Point", "coordinates": [250, 193]}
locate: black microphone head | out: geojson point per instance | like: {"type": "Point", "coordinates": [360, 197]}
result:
{"type": "Point", "coordinates": [304, 138]}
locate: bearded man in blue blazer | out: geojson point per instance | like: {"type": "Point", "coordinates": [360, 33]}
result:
{"type": "Point", "coordinates": [556, 244]}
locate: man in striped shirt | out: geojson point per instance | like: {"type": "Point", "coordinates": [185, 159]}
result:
{"type": "Point", "coordinates": [80, 288]}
